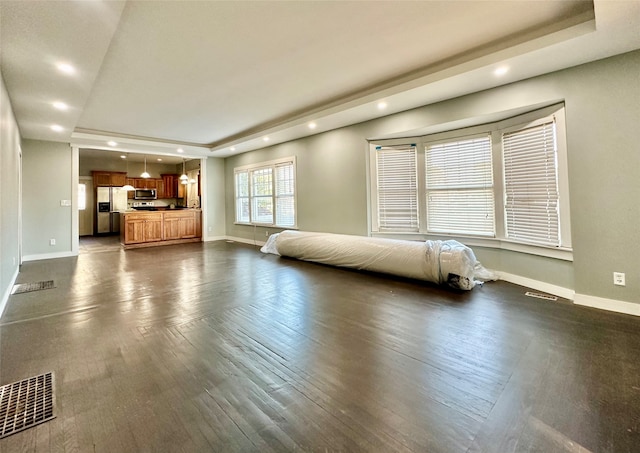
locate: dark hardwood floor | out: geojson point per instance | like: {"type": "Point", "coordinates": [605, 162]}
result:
{"type": "Point", "coordinates": [217, 347]}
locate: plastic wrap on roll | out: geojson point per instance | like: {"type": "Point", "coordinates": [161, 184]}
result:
{"type": "Point", "coordinates": [442, 262]}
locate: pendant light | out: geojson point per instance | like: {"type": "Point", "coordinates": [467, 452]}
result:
{"type": "Point", "coordinates": [145, 174]}
{"type": "Point", "coordinates": [128, 187]}
{"type": "Point", "coordinates": [184, 178]}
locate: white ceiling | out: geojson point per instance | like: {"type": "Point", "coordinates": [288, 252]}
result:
{"type": "Point", "coordinates": [205, 76]}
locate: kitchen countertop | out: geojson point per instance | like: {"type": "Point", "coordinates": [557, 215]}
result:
{"type": "Point", "coordinates": [159, 208]}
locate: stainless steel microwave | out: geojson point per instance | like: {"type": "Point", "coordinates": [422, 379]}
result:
{"type": "Point", "coordinates": [145, 194]}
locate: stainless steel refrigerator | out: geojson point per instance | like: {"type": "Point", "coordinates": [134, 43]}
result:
{"type": "Point", "coordinates": [110, 202]}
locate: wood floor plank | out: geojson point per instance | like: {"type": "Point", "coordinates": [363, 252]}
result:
{"type": "Point", "coordinates": [216, 347]}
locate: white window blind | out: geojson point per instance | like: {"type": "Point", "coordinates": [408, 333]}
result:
{"type": "Point", "coordinates": [397, 188]}
{"type": "Point", "coordinates": [285, 190]}
{"type": "Point", "coordinates": [459, 182]}
{"type": "Point", "coordinates": [242, 197]}
{"type": "Point", "coordinates": [531, 184]}
{"type": "Point", "coordinates": [261, 195]}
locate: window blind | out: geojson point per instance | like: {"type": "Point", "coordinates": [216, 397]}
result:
{"type": "Point", "coordinates": [459, 181]}
{"type": "Point", "coordinates": [285, 189]}
{"type": "Point", "coordinates": [397, 188]}
{"type": "Point", "coordinates": [242, 196]}
{"type": "Point", "coordinates": [261, 195]}
{"type": "Point", "coordinates": [531, 184]}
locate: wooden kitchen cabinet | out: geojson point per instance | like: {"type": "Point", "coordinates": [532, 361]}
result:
{"type": "Point", "coordinates": [181, 224]}
{"type": "Point", "coordinates": [152, 228]}
{"type": "Point", "coordinates": [160, 189]}
{"type": "Point", "coordinates": [142, 227]}
{"type": "Point", "coordinates": [170, 183]}
{"type": "Point", "coordinates": [109, 178]}
{"type": "Point", "coordinates": [144, 183]}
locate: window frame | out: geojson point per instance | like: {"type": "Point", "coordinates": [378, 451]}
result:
{"type": "Point", "coordinates": [495, 129]}
{"type": "Point", "coordinates": [272, 165]}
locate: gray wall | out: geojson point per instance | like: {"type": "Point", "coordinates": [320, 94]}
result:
{"type": "Point", "coordinates": [9, 196]}
{"type": "Point", "coordinates": [215, 198]}
{"type": "Point", "coordinates": [602, 102]}
{"type": "Point", "coordinates": [46, 180]}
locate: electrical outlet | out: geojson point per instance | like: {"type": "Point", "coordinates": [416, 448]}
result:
{"type": "Point", "coordinates": [266, 234]}
{"type": "Point", "coordinates": [209, 229]}
{"type": "Point", "coordinates": [618, 278]}
{"type": "Point", "coordinates": [52, 242]}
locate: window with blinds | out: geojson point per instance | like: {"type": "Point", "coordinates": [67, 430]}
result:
{"type": "Point", "coordinates": [503, 184]}
{"type": "Point", "coordinates": [285, 195]}
{"type": "Point", "coordinates": [242, 197]}
{"type": "Point", "coordinates": [265, 193]}
{"type": "Point", "coordinates": [262, 195]}
{"type": "Point", "coordinates": [531, 184]}
{"type": "Point", "coordinates": [397, 188]}
{"type": "Point", "coordinates": [459, 187]}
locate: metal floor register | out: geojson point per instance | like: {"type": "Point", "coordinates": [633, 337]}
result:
{"type": "Point", "coordinates": [26, 403]}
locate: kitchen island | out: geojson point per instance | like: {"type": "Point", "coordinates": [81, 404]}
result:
{"type": "Point", "coordinates": [160, 227]}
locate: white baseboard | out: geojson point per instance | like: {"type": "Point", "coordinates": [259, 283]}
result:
{"type": "Point", "coordinates": [548, 288]}
{"type": "Point", "coordinates": [7, 292]}
{"type": "Point", "coordinates": [214, 238]}
{"type": "Point", "coordinates": [48, 256]}
{"type": "Point", "coordinates": [619, 306]}
{"type": "Point", "coordinates": [245, 241]}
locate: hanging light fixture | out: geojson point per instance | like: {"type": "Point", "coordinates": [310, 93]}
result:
{"type": "Point", "coordinates": [184, 179]}
{"type": "Point", "coordinates": [128, 187]}
{"type": "Point", "coordinates": [145, 174]}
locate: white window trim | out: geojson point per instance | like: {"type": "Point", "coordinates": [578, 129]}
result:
{"type": "Point", "coordinates": [257, 166]}
{"type": "Point", "coordinates": [563, 252]}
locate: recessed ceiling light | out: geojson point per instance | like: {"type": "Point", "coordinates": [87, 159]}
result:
{"type": "Point", "coordinates": [382, 105]}
{"type": "Point", "coordinates": [66, 68]}
{"type": "Point", "coordinates": [266, 139]}
{"type": "Point", "coordinates": [112, 143]}
{"type": "Point", "coordinates": [502, 70]}
{"type": "Point", "coordinates": [60, 105]}
{"type": "Point", "coordinates": [159, 160]}
{"type": "Point", "coordinates": [123, 157]}
{"type": "Point", "coordinates": [233, 148]}
{"type": "Point", "coordinates": [57, 128]}
{"type": "Point", "coordinates": [312, 125]}
{"type": "Point", "coordinates": [180, 150]}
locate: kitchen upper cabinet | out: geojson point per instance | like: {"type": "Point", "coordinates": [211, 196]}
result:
{"type": "Point", "coordinates": [132, 183]}
{"type": "Point", "coordinates": [109, 178]}
{"type": "Point", "coordinates": [170, 183]}
{"type": "Point", "coordinates": [160, 190]}
{"type": "Point", "coordinates": [118, 179]}
{"type": "Point", "coordinates": [145, 183]}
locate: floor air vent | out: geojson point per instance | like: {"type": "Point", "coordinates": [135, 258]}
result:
{"type": "Point", "coordinates": [540, 296]}
{"type": "Point", "coordinates": [28, 287]}
{"type": "Point", "coordinates": [26, 403]}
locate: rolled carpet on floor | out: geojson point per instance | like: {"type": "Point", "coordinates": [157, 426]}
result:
{"type": "Point", "coordinates": [442, 262]}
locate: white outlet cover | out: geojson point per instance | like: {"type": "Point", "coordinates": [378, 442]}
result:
{"type": "Point", "coordinates": [619, 278]}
